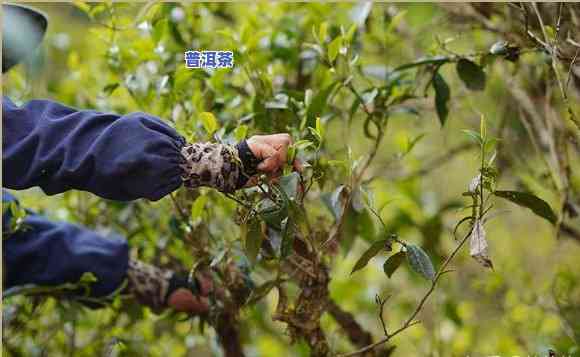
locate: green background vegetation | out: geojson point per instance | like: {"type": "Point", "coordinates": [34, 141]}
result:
{"type": "Point", "coordinates": [125, 58]}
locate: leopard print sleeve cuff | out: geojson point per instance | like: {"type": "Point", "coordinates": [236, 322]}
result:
{"type": "Point", "coordinates": [152, 286]}
{"type": "Point", "coordinates": [149, 284]}
{"type": "Point", "coordinates": [223, 167]}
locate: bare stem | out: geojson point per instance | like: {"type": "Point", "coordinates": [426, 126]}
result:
{"type": "Point", "coordinates": [181, 212]}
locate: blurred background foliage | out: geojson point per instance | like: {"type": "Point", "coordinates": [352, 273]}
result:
{"type": "Point", "coordinates": [288, 65]}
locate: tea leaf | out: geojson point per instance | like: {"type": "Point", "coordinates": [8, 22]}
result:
{"type": "Point", "coordinates": [442, 96]}
{"type": "Point", "coordinates": [334, 48]}
{"type": "Point", "coordinates": [420, 261]}
{"type": "Point", "coordinates": [209, 122]}
{"type": "Point", "coordinates": [393, 263]}
{"type": "Point", "coordinates": [528, 200]}
{"type": "Point", "coordinates": [471, 74]}
{"type": "Point", "coordinates": [253, 239]}
{"type": "Point", "coordinates": [370, 253]}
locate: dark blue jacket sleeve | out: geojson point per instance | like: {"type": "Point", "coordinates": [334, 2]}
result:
{"type": "Point", "coordinates": [117, 157]}
{"type": "Point", "coordinates": [47, 253]}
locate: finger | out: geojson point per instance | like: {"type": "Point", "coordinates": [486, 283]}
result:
{"type": "Point", "coordinates": [276, 140]}
{"type": "Point", "coordinates": [282, 153]}
{"type": "Point", "coordinates": [261, 150]}
{"type": "Point", "coordinates": [297, 164]}
{"type": "Point", "coordinates": [198, 305]}
{"type": "Point", "coordinates": [183, 300]}
{"type": "Point", "coordinates": [270, 164]}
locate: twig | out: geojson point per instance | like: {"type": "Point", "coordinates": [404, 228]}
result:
{"type": "Point", "coordinates": [267, 193]}
{"type": "Point", "coordinates": [411, 319]}
{"type": "Point", "coordinates": [359, 97]}
{"type": "Point", "coordinates": [338, 225]}
{"type": "Point", "coordinates": [372, 156]}
{"type": "Point", "coordinates": [559, 21]}
{"type": "Point", "coordinates": [570, 231]}
{"type": "Point", "coordinates": [553, 50]}
{"type": "Point", "coordinates": [572, 42]}
{"type": "Point", "coordinates": [381, 302]}
{"type": "Point", "coordinates": [233, 198]}
{"type": "Point", "coordinates": [571, 68]}
{"type": "Point", "coordinates": [184, 216]}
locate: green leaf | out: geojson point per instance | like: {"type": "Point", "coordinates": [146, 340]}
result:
{"type": "Point", "coordinates": [483, 127]}
{"type": "Point", "coordinates": [323, 31]}
{"type": "Point", "coordinates": [528, 200]}
{"type": "Point", "coordinates": [370, 253]}
{"type": "Point", "coordinates": [97, 9]}
{"type": "Point", "coordinates": [420, 261]}
{"type": "Point", "coordinates": [253, 239]}
{"type": "Point", "coordinates": [272, 213]}
{"type": "Point", "coordinates": [82, 6]}
{"type": "Point", "coordinates": [471, 74]}
{"type": "Point", "coordinates": [241, 132]}
{"type": "Point", "coordinates": [209, 122]}
{"type": "Point", "coordinates": [318, 105]}
{"type": "Point", "coordinates": [393, 263]}
{"type": "Point", "coordinates": [334, 48]}
{"type": "Point", "coordinates": [550, 32]}
{"type": "Point", "coordinates": [302, 144]}
{"type": "Point", "coordinates": [159, 29]}
{"type": "Point", "coordinates": [198, 206]}
{"type": "Point", "coordinates": [287, 245]}
{"type": "Point", "coordinates": [350, 33]}
{"type": "Point", "coordinates": [395, 20]}
{"type": "Point", "coordinates": [360, 12]}
{"type": "Point", "coordinates": [354, 107]}
{"type": "Point", "coordinates": [280, 101]}
{"type": "Point", "coordinates": [442, 96]}
{"type": "Point", "coordinates": [88, 278]}
{"type": "Point", "coordinates": [316, 136]}
{"type": "Point", "coordinates": [474, 135]}
{"type": "Point", "coordinates": [289, 184]}
{"type": "Point", "coordinates": [334, 201]}
{"type": "Point", "coordinates": [110, 88]}
{"type": "Point", "coordinates": [176, 34]}
{"type": "Point", "coordinates": [319, 128]}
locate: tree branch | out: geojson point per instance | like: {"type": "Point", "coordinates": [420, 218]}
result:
{"type": "Point", "coordinates": [355, 332]}
{"type": "Point", "coordinates": [411, 319]}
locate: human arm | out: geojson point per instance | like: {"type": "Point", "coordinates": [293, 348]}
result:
{"type": "Point", "coordinates": [120, 157]}
{"type": "Point", "coordinates": [46, 254]}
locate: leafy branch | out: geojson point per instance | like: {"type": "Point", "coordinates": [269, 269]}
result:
{"type": "Point", "coordinates": [410, 321]}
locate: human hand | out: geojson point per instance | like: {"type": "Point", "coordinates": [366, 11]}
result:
{"type": "Point", "coordinates": [271, 150]}
{"type": "Point", "coordinates": [183, 299]}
